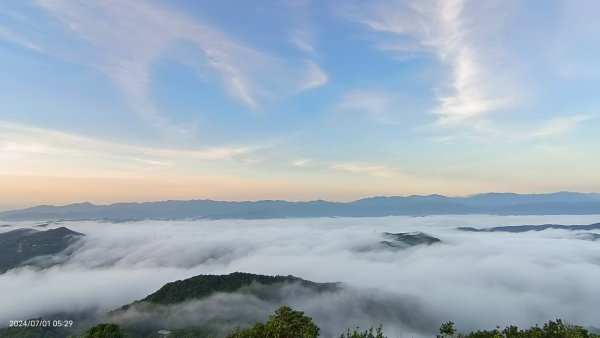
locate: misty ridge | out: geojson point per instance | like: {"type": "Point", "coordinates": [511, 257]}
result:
{"type": "Point", "coordinates": [37, 248]}
{"type": "Point", "coordinates": [560, 203]}
{"type": "Point", "coordinates": [408, 274]}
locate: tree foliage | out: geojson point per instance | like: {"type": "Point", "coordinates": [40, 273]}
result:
{"type": "Point", "coordinates": [33, 332]}
{"type": "Point", "coordinates": [364, 334]}
{"type": "Point", "coordinates": [552, 329]}
{"type": "Point", "coordinates": [204, 285]}
{"type": "Point", "coordinates": [285, 323]}
{"type": "Point", "coordinates": [105, 331]}
{"type": "Point", "coordinates": [447, 330]}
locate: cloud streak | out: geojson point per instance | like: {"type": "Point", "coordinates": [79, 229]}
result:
{"type": "Point", "coordinates": [472, 86]}
{"type": "Point", "coordinates": [361, 168]}
{"type": "Point", "coordinates": [25, 148]}
{"type": "Point", "coordinates": [125, 40]}
{"type": "Point", "coordinates": [378, 106]}
{"type": "Point", "coordinates": [559, 125]}
{"type": "Point", "coordinates": [484, 129]}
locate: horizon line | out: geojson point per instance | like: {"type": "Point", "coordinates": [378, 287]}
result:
{"type": "Point", "coordinates": [301, 201]}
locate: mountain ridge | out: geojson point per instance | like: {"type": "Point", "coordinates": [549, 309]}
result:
{"type": "Point", "coordinates": [415, 205]}
{"type": "Point", "coordinates": [21, 247]}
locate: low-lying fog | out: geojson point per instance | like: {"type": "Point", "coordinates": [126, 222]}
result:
{"type": "Point", "coordinates": [477, 280]}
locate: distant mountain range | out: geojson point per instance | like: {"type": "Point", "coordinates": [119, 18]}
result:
{"type": "Point", "coordinates": [526, 228]}
{"type": "Point", "coordinates": [568, 203]}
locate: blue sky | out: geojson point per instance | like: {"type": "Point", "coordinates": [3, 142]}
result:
{"type": "Point", "coordinates": [108, 101]}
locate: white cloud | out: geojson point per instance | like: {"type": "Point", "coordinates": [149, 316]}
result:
{"type": "Point", "coordinates": [303, 30]}
{"type": "Point", "coordinates": [125, 39]}
{"type": "Point", "coordinates": [303, 41]}
{"type": "Point", "coordinates": [8, 35]}
{"type": "Point", "coordinates": [361, 168]}
{"type": "Point", "coordinates": [379, 106]}
{"type": "Point", "coordinates": [26, 149]}
{"type": "Point", "coordinates": [303, 162]}
{"type": "Point", "coordinates": [474, 85]}
{"type": "Point", "coordinates": [489, 130]}
{"type": "Point", "coordinates": [315, 76]}
{"type": "Point", "coordinates": [558, 125]}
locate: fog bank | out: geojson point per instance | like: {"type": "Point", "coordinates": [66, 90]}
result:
{"type": "Point", "coordinates": [478, 280]}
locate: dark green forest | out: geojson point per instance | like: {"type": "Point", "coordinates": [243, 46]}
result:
{"type": "Point", "coordinates": [204, 285]}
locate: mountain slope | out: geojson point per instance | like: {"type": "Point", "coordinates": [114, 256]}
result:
{"type": "Point", "coordinates": [19, 247]}
{"type": "Point", "coordinates": [213, 305]}
{"type": "Point", "coordinates": [204, 285]}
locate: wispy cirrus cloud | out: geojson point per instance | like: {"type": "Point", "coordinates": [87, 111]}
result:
{"type": "Point", "coordinates": [472, 86]}
{"type": "Point", "coordinates": [483, 72]}
{"type": "Point", "coordinates": [8, 35]}
{"type": "Point", "coordinates": [558, 125]}
{"type": "Point", "coordinates": [303, 41]}
{"type": "Point", "coordinates": [303, 30]}
{"type": "Point", "coordinates": [314, 76]}
{"type": "Point", "coordinates": [361, 168]}
{"type": "Point", "coordinates": [124, 40]}
{"type": "Point", "coordinates": [485, 129]}
{"type": "Point", "coordinates": [377, 105]}
{"type": "Point", "coordinates": [302, 162]}
{"type": "Point", "coordinates": [26, 149]}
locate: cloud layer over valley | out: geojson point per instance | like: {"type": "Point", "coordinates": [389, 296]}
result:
{"type": "Point", "coordinates": [476, 279]}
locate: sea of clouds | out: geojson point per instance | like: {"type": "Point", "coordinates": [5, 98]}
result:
{"type": "Point", "coordinates": [478, 280]}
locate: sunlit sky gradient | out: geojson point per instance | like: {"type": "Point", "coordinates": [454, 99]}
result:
{"type": "Point", "coordinates": [111, 100]}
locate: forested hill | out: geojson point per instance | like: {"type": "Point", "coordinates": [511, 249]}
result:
{"type": "Point", "coordinates": [19, 247]}
{"type": "Point", "coordinates": [204, 285]}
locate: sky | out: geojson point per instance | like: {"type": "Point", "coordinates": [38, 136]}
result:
{"type": "Point", "coordinates": [107, 101]}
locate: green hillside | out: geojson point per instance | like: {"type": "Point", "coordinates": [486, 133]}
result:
{"type": "Point", "coordinates": [18, 247]}
{"type": "Point", "coordinates": [204, 285]}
